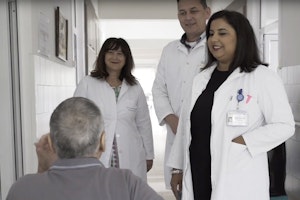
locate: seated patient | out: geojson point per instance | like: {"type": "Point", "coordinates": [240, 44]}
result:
{"type": "Point", "coordinates": [77, 139]}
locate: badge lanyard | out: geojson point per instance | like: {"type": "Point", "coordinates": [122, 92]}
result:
{"type": "Point", "coordinates": [239, 97]}
{"type": "Point", "coordinates": [237, 117]}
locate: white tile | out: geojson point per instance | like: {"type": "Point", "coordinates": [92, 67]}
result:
{"type": "Point", "coordinates": [282, 72]}
{"type": "Point", "coordinates": [50, 72]}
{"type": "Point", "coordinates": [47, 98]}
{"type": "Point", "coordinates": [39, 99]}
{"type": "Point", "coordinates": [294, 74]}
{"type": "Point", "coordinates": [296, 111]}
{"type": "Point", "coordinates": [293, 92]}
{"type": "Point", "coordinates": [43, 71]}
{"type": "Point", "coordinates": [69, 76]}
{"type": "Point", "coordinates": [37, 69]}
{"type": "Point", "coordinates": [42, 124]}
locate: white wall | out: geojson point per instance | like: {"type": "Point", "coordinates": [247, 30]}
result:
{"type": "Point", "coordinates": [45, 80]}
{"type": "Point", "coordinates": [217, 5]}
{"type": "Point", "coordinates": [289, 31]}
{"type": "Point", "coordinates": [35, 67]}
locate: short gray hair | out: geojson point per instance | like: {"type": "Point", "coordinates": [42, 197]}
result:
{"type": "Point", "coordinates": [75, 128]}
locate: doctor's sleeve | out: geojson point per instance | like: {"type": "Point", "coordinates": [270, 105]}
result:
{"type": "Point", "coordinates": [278, 117]}
{"type": "Point", "coordinates": [176, 156]}
{"type": "Point", "coordinates": [143, 123]}
{"type": "Point", "coordinates": [161, 101]}
{"type": "Point", "coordinates": [178, 150]}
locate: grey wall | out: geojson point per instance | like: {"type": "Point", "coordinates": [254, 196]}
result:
{"type": "Point", "coordinates": [289, 59]}
{"type": "Point", "coordinates": [289, 31]}
{"type": "Point", "coordinates": [290, 76]}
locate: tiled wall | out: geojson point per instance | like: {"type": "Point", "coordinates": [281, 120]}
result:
{"type": "Point", "coordinates": [291, 79]}
{"type": "Point", "coordinates": [54, 83]}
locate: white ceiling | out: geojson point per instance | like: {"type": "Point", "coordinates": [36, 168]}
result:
{"type": "Point", "coordinates": [146, 25]}
{"type": "Point", "coordinates": [137, 9]}
{"type": "Point", "coordinates": [146, 37]}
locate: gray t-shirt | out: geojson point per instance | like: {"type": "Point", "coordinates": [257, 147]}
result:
{"type": "Point", "coordinates": [82, 178]}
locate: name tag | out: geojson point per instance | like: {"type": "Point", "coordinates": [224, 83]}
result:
{"type": "Point", "coordinates": [237, 118]}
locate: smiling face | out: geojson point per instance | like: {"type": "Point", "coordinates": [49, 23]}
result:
{"type": "Point", "coordinates": [192, 17]}
{"type": "Point", "coordinates": [222, 42]}
{"type": "Point", "coordinates": [114, 60]}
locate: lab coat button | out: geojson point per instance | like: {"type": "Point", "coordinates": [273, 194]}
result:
{"type": "Point", "coordinates": [118, 135]}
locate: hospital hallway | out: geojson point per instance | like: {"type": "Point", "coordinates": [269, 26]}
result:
{"type": "Point", "coordinates": [156, 176]}
{"type": "Point", "coordinates": [35, 76]}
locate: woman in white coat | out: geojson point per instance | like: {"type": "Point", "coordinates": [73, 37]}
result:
{"type": "Point", "coordinates": [236, 112]}
{"type": "Point", "coordinates": [111, 85]}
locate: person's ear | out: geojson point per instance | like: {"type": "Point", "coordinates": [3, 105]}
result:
{"type": "Point", "coordinates": [52, 149]}
{"type": "Point", "coordinates": [208, 12]}
{"type": "Point", "coordinates": [102, 142]}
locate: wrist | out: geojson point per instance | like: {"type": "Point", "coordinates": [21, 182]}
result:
{"type": "Point", "coordinates": [176, 171]}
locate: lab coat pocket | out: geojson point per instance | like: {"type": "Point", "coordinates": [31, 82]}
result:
{"type": "Point", "coordinates": [131, 105]}
{"type": "Point", "coordinates": [132, 108]}
{"type": "Point", "coordinates": [238, 158]}
{"type": "Point", "coordinates": [127, 111]}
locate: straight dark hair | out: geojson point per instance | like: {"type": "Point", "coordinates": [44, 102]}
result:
{"type": "Point", "coordinates": [100, 66]}
{"type": "Point", "coordinates": [203, 2]}
{"type": "Point", "coordinates": [246, 54]}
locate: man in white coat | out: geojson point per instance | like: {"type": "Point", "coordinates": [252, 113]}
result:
{"type": "Point", "coordinates": [180, 61]}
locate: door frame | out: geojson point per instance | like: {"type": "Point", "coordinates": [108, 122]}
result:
{"type": "Point", "coordinates": [10, 117]}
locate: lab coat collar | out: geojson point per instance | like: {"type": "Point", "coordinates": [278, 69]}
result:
{"type": "Point", "coordinates": [124, 88]}
{"type": "Point", "coordinates": [184, 37]}
{"type": "Point", "coordinates": [235, 74]}
{"type": "Point", "coordinates": [183, 46]}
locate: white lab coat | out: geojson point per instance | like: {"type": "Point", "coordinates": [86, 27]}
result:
{"type": "Point", "coordinates": [175, 72]}
{"type": "Point", "coordinates": [238, 172]}
{"type": "Point", "coordinates": [128, 119]}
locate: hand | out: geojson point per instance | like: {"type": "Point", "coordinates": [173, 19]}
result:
{"type": "Point", "coordinates": [172, 121]}
{"type": "Point", "coordinates": [46, 155]}
{"type": "Point", "coordinates": [239, 140]}
{"type": "Point", "coordinates": [149, 164]}
{"type": "Point", "coordinates": [176, 184]}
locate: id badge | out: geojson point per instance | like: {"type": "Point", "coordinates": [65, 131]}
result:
{"type": "Point", "coordinates": [237, 118]}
